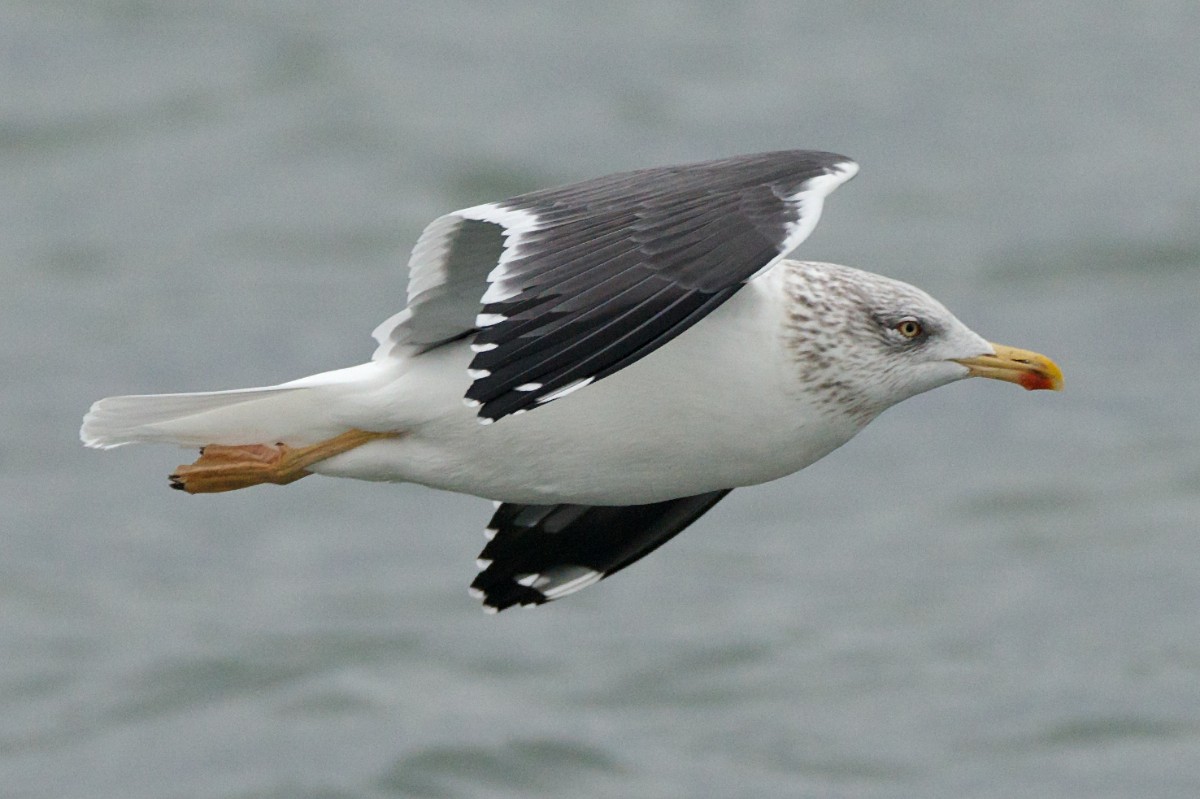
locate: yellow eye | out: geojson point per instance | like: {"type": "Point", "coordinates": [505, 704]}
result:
{"type": "Point", "coordinates": [909, 328]}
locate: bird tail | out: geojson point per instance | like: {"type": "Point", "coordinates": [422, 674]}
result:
{"type": "Point", "coordinates": [295, 413]}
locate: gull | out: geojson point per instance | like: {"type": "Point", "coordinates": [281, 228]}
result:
{"type": "Point", "coordinates": [604, 360]}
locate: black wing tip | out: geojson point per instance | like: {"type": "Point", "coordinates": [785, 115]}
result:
{"type": "Point", "coordinates": [499, 592]}
{"type": "Point", "coordinates": [540, 553]}
{"type": "Point", "coordinates": [532, 201]}
{"type": "Point", "coordinates": [802, 160]}
{"type": "Point", "coordinates": [820, 157]}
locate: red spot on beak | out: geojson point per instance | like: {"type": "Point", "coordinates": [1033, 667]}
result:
{"type": "Point", "coordinates": [1035, 382]}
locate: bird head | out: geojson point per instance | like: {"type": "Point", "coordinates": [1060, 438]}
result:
{"type": "Point", "coordinates": [868, 342]}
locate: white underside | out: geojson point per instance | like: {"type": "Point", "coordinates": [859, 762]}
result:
{"type": "Point", "coordinates": [718, 407]}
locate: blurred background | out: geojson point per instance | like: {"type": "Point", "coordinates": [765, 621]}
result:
{"type": "Point", "coordinates": [989, 593]}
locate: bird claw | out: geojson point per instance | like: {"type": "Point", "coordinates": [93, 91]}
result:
{"type": "Point", "coordinates": [228, 468]}
{"type": "Point", "coordinates": [222, 467]}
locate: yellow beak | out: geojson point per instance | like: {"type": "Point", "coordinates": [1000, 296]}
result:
{"type": "Point", "coordinates": [1027, 369]}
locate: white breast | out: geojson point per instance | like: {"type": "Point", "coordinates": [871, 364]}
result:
{"type": "Point", "coordinates": [718, 407]}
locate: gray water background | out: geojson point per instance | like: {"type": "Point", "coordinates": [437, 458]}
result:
{"type": "Point", "coordinates": [987, 594]}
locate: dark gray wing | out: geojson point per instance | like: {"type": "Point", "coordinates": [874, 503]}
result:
{"type": "Point", "coordinates": [542, 552]}
{"type": "Point", "coordinates": [585, 279]}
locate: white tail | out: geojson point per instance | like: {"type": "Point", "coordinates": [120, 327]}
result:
{"type": "Point", "coordinates": [300, 412]}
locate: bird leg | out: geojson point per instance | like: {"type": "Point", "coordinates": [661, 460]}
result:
{"type": "Point", "coordinates": [222, 467]}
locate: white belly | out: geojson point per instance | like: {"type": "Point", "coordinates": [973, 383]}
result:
{"type": "Point", "coordinates": [718, 407]}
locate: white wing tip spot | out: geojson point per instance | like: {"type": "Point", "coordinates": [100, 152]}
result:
{"type": "Point", "coordinates": [560, 580]}
{"type": "Point", "coordinates": [528, 387]}
{"type": "Point", "coordinates": [584, 577]}
{"type": "Point", "coordinates": [482, 563]}
{"type": "Point", "coordinates": [565, 390]}
{"type": "Point", "coordinates": [488, 347]}
{"type": "Point", "coordinates": [497, 291]}
{"type": "Point", "coordinates": [489, 319]}
{"type": "Point", "coordinates": [476, 374]}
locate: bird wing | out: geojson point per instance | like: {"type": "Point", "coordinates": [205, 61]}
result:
{"type": "Point", "coordinates": [562, 287]}
{"type": "Point", "coordinates": [538, 553]}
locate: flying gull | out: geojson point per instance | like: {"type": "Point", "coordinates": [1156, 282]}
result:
{"type": "Point", "coordinates": [605, 360]}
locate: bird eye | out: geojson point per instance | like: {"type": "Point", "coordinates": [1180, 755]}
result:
{"type": "Point", "coordinates": [909, 328]}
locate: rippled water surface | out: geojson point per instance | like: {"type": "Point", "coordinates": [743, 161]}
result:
{"type": "Point", "coordinates": [989, 593]}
